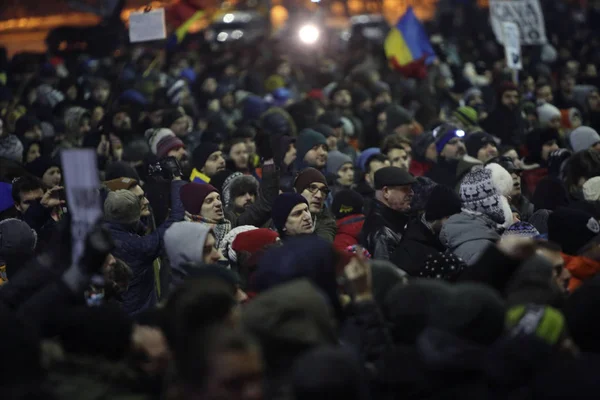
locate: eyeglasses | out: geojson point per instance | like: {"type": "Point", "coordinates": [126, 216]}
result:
{"type": "Point", "coordinates": [313, 189]}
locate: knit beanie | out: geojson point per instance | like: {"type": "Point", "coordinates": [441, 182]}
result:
{"type": "Point", "coordinates": [572, 229]}
{"type": "Point", "coordinates": [40, 165]}
{"type": "Point", "coordinates": [73, 117]}
{"type": "Point", "coordinates": [467, 116]}
{"type": "Point", "coordinates": [253, 242]}
{"type": "Point", "coordinates": [591, 189]}
{"type": "Point", "coordinates": [446, 266]}
{"type": "Point", "coordinates": [122, 207]}
{"type": "Point", "coordinates": [307, 177]}
{"type": "Point", "coordinates": [445, 133]}
{"type": "Point", "coordinates": [201, 154]}
{"type": "Point", "coordinates": [547, 112]}
{"type": "Point", "coordinates": [346, 202]}
{"type": "Point", "coordinates": [545, 323]}
{"type": "Point", "coordinates": [11, 148]}
{"type": "Point", "coordinates": [225, 245]}
{"type": "Point", "coordinates": [475, 141]}
{"type": "Point", "coordinates": [364, 157]}
{"type": "Point", "coordinates": [283, 205]}
{"type": "Point", "coordinates": [521, 229]}
{"type": "Point", "coordinates": [307, 139]}
{"type": "Point", "coordinates": [120, 184]}
{"type": "Point", "coordinates": [396, 116]}
{"type": "Point", "coordinates": [193, 195]}
{"type": "Point", "coordinates": [421, 144]}
{"type": "Point", "coordinates": [583, 138]}
{"type": "Point", "coordinates": [336, 160]}
{"type": "Point", "coordinates": [121, 169]}
{"type": "Point", "coordinates": [16, 237]}
{"type": "Point", "coordinates": [184, 242]}
{"type": "Point", "coordinates": [443, 202]}
{"type": "Point", "coordinates": [479, 194]}
{"type": "Point", "coordinates": [161, 140]}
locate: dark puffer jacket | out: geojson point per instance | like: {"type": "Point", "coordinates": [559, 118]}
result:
{"type": "Point", "coordinates": [383, 230]}
{"type": "Point", "coordinates": [139, 253]}
{"type": "Point", "coordinates": [418, 243]}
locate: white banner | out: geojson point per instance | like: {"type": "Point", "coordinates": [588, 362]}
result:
{"type": "Point", "coordinates": [80, 173]}
{"type": "Point", "coordinates": [147, 26]}
{"type": "Point", "coordinates": [512, 45]}
{"type": "Point", "coordinates": [528, 16]}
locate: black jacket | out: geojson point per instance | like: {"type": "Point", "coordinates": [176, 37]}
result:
{"type": "Point", "coordinates": [444, 172]}
{"type": "Point", "coordinates": [416, 245]}
{"type": "Point", "coordinates": [382, 231]}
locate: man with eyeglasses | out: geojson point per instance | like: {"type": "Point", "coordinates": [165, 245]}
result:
{"type": "Point", "coordinates": [312, 185]}
{"type": "Point", "coordinates": [450, 149]}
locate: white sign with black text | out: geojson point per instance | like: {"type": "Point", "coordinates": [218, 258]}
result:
{"type": "Point", "coordinates": [80, 173]}
{"type": "Point", "coordinates": [512, 45]}
{"type": "Point", "coordinates": [147, 26]}
{"type": "Point", "coordinates": [528, 16]}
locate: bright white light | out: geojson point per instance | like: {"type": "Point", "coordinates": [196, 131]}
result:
{"type": "Point", "coordinates": [228, 18]}
{"type": "Point", "coordinates": [222, 36]}
{"type": "Point", "coordinates": [460, 133]}
{"type": "Point", "coordinates": [316, 1]}
{"type": "Point", "coordinates": [237, 34]}
{"type": "Point", "coordinates": [309, 34]}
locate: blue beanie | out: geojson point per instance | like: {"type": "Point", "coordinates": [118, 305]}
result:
{"type": "Point", "coordinates": [282, 207]}
{"type": "Point", "coordinates": [361, 162]}
{"type": "Point", "coordinates": [254, 106]}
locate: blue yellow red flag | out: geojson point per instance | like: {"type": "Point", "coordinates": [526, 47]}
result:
{"type": "Point", "coordinates": [407, 46]}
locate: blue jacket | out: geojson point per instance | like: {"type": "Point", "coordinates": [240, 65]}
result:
{"type": "Point", "coordinates": [139, 252]}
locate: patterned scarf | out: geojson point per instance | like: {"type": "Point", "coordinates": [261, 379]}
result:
{"type": "Point", "coordinates": [219, 228]}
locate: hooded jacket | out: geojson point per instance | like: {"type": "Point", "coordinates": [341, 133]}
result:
{"type": "Point", "coordinates": [348, 230]}
{"type": "Point", "coordinates": [139, 253]}
{"type": "Point", "coordinates": [468, 234]}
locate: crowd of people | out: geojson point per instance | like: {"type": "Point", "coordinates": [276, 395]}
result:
{"type": "Point", "coordinates": [276, 231]}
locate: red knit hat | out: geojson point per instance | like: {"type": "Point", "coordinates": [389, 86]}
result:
{"type": "Point", "coordinates": [193, 195]}
{"type": "Point", "coordinates": [254, 242]}
{"type": "Point", "coordinates": [167, 144]}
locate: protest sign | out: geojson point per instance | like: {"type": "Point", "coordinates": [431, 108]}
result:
{"type": "Point", "coordinates": [512, 45]}
{"type": "Point", "coordinates": [147, 25]}
{"type": "Point", "coordinates": [528, 16]}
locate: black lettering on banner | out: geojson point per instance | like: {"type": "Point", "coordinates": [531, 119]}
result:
{"type": "Point", "coordinates": [84, 198]}
{"type": "Point", "coordinates": [515, 58]}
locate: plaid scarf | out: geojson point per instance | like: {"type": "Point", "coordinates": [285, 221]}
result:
{"type": "Point", "coordinates": [219, 228]}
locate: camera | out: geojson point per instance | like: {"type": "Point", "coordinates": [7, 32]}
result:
{"type": "Point", "coordinates": [166, 168]}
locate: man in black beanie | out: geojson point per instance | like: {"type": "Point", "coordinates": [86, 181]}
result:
{"type": "Point", "coordinates": [207, 160]}
{"type": "Point", "coordinates": [421, 238]}
{"type": "Point", "coordinates": [387, 219]}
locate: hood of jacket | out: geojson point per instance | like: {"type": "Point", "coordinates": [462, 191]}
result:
{"type": "Point", "coordinates": [351, 225]}
{"type": "Point", "coordinates": [465, 227]}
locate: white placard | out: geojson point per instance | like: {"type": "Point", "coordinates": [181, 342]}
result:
{"type": "Point", "coordinates": [528, 16]}
{"type": "Point", "coordinates": [146, 26]}
{"type": "Point", "coordinates": [80, 173]}
{"type": "Point", "coordinates": [512, 45]}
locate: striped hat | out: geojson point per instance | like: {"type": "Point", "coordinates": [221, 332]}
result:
{"type": "Point", "coordinates": [467, 116]}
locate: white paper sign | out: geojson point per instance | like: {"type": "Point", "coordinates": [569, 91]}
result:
{"type": "Point", "coordinates": [512, 45]}
{"type": "Point", "coordinates": [146, 26]}
{"type": "Point", "coordinates": [528, 16]}
{"type": "Point", "coordinates": [80, 173]}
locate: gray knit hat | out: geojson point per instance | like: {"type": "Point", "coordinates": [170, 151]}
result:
{"type": "Point", "coordinates": [184, 242]}
{"type": "Point", "coordinates": [583, 138]}
{"type": "Point", "coordinates": [335, 160]}
{"type": "Point", "coordinates": [122, 207]}
{"type": "Point", "coordinates": [11, 148]}
{"type": "Point", "coordinates": [478, 194]}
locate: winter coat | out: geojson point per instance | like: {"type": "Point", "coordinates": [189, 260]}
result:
{"type": "Point", "coordinates": [468, 235]}
{"type": "Point", "coordinates": [443, 172]}
{"type": "Point", "coordinates": [139, 253]}
{"type": "Point", "coordinates": [325, 226]}
{"type": "Point", "coordinates": [382, 230]}
{"type": "Point", "coordinates": [418, 243]}
{"type": "Point", "coordinates": [259, 213]}
{"type": "Point", "coordinates": [348, 229]}
{"type": "Point", "coordinates": [581, 269]}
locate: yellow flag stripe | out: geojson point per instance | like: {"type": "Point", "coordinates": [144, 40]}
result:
{"type": "Point", "coordinates": [395, 47]}
{"type": "Point", "coordinates": [185, 27]}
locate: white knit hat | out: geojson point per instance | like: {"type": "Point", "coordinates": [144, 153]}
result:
{"type": "Point", "coordinates": [546, 113]}
{"type": "Point", "coordinates": [591, 189]}
{"type": "Point", "coordinates": [154, 136]}
{"type": "Point", "coordinates": [225, 245]}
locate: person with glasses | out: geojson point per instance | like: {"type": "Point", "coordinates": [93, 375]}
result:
{"type": "Point", "coordinates": [312, 185]}
{"type": "Point", "coordinates": [450, 148]}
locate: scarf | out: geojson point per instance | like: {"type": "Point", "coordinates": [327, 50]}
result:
{"type": "Point", "coordinates": [219, 228]}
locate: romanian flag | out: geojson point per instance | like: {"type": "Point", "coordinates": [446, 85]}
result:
{"type": "Point", "coordinates": [407, 46]}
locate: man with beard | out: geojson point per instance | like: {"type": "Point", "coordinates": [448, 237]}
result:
{"type": "Point", "coordinates": [506, 121]}
{"type": "Point", "coordinates": [450, 149]}
{"type": "Point", "coordinates": [163, 143]}
{"type": "Point", "coordinates": [341, 100]}
{"type": "Point", "coordinates": [207, 160]}
{"type": "Point", "coordinates": [312, 150]}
